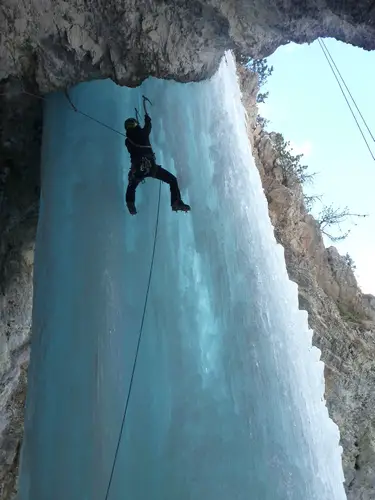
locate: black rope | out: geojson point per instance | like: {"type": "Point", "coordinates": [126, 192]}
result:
{"type": "Point", "coordinates": [146, 298]}
{"type": "Point", "coordinates": [100, 123]}
{"type": "Point", "coordinates": [347, 88]}
{"type": "Point", "coordinates": [91, 117]}
{"type": "Point", "coordinates": [147, 291]}
{"type": "Point", "coordinates": [76, 110]}
{"type": "Point", "coordinates": [137, 349]}
{"type": "Point", "coordinates": [347, 101]}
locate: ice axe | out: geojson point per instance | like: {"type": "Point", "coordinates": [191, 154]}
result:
{"type": "Point", "coordinates": [144, 101]}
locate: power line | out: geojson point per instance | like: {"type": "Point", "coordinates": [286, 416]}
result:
{"type": "Point", "coordinates": [347, 88]}
{"type": "Point", "coordinates": [346, 99]}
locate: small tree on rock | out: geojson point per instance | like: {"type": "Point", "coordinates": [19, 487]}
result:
{"type": "Point", "coordinates": [262, 96]}
{"type": "Point", "coordinates": [350, 262]}
{"type": "Point", "coordinates": [331, 219]}
{"type": "Point", "coordinates": [290, 163]}
{"type": "Point", "coordinates": [263, 122]}
{"type": "Point", "coordinates": [310, 201]}
{"type": "Point", "coordinates": [260, 66]}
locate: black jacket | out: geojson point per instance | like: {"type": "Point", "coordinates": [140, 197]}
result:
{"type": "Point", "coordinates": [138, 142]}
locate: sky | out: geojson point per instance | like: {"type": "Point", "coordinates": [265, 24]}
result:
{"type": "Point", "coordinates": [305, 104]}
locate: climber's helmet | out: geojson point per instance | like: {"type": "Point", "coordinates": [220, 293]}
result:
{"type": "Point", "coordinates": [130, 123]}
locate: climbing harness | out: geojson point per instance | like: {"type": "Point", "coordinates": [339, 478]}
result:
{"type": "Point", "coordinates": [146, 164]}
{"type": "Point", "coordinates": [143, 169]}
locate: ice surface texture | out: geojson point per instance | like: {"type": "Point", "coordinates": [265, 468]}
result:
{"type": "Point", "coordinates": [227, 401]}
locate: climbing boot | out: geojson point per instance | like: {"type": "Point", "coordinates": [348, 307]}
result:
{"type": "Point", "coordinates": [180, 206]}
{"type": "Point", "coordinates": [131, 208]}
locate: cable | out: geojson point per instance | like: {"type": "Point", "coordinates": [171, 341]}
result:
{"type": "Point", "coordinates": [100, 123]}
{"type": "Point", "coordinates": [144, 307]}
{"type": "Point", "coordinates": [137, 349]}
{"type": "Point", "coordinates": [147, 291]}
{"type": "Point", "coordinates": [42, 98]}
{"type": "Point", "coordinates": [346, 99]}
{"type": "Point", "coordinates": [347, 88]}
{"type": "Point", "coordinates": [90, 117]}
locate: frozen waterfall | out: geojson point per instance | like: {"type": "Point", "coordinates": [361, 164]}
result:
{"type": "Point", "coordinates": [227, 401]}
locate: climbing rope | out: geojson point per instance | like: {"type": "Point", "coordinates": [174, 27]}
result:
{"type": "Point", "coordinates": [74, 108]}
{"type": "Point", "coordinates": [328, 56]}
{"type": "Point", "coordinates": [146, 297]}
{"type": "Point", "coordinates": [91, 117]}
{"type": "Point", "coordinates": [137, 349]}
{"type": "Point", "coordinates": [145, 99]}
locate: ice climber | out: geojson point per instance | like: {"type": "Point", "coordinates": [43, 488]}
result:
{"type": "Point", "coordinates": [143, 165]}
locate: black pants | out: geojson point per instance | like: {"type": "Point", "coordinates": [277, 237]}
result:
{"type": "Point", "coordinates": [157, 172]}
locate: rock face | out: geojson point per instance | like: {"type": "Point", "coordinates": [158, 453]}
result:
{"type": "Point", "coordinates": [59, 43]}
{"type": "Point", "coordinates": [343, 319]}
{"type": "Point", "coordinates": [20, 129]}
{"type": "Point", "coordinates": [47, 45]}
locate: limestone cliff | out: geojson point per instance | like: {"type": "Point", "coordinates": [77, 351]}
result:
{"type": "Point", "coordinates": [20, 129]}
{"type": "Point", "coordinates": [47, 45]}
{"type": "Point", "coordinates": [343, 319]}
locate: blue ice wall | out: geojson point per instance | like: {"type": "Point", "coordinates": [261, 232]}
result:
{"type": "Point", "coordinates": [227, 400]}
